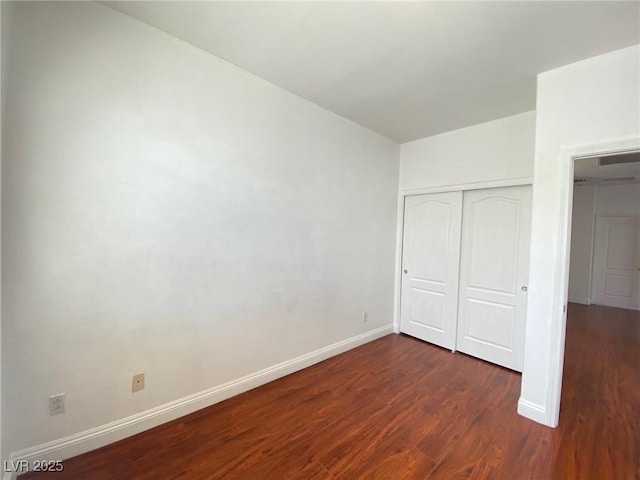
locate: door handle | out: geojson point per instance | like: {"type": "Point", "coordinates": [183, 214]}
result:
{"type": "Point", "coordinates": [524, 288]}
{"type": "Point", "coordinates": [407, 271]}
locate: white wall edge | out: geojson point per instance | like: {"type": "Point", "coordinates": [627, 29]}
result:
{"type": "Point", "coordinates": [532, 411]}
{"type": "Point", "coordinates": [581, 301]}
{"type": "Point", "coordinates": [507, 182]}
{"type": "Point", "coordinates": [94, 438]}
{"type": "Point", "coordinates": [594, 205]}
{"type": "Point", "coordinates": [397, 294]}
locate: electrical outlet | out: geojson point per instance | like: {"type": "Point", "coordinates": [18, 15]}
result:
{"type": "Point", "coordinates": [56, 404]}
{"type": "Point", "coordinates": [365, 317]}
{"type": "Point", "coordinates": [137, 383]}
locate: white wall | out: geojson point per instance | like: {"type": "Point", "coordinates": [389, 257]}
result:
{"type": "Point", "coordinates": [165, 212]}
{"type": "Point", "coordinates": [492, 151]}
{"type": "Point", "coordinates": [618, 200]}
{"type": "Point", "coordinates": [581, 244]}
{"type": "Point", "coordinates": [5, 19]}
{"type": "Point", "coordinates": [596, 100]}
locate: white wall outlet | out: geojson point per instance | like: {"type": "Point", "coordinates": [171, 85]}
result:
{"type": "Point", "coordinates": [137, 382]}
{"type": "Point", "coordinates": [365, 317]}
{"type": "Point", "coordinates": [56, 404]}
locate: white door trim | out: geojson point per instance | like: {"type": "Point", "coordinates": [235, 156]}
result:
{"type": "Point", "coordinates": [567, 156]}
{"type": "Point", "coordinates": [509, 182]}
{"type": "Point", "coordinates": [397, 294]}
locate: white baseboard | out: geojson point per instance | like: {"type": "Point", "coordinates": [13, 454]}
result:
{"type": "Point", "coordinates": [633, 307]}
{"type": "Point", "coordinates": [112, 432]}
{"type": "Point", "coordinates": [532, 411]}
{"type": "Point", "coordinates": [581, 301]}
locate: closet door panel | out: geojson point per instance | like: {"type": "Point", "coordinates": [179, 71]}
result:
{"type": "Point", "coordinates": [494, 266]}
{"type": "Point", "coordinates": [430, 259]}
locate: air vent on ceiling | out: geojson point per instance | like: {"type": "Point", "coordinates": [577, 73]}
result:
{"type": "Point", "coordinates": [620, 158]}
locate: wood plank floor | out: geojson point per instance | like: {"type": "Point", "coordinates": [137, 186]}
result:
{"type": "Point", "coordinates": [398, 408]}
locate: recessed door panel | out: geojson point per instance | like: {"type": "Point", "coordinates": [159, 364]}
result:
{"type": "Point", "coordinates": [492, 323]}
{"type": "Point", "coordinates": [430, 245]}
{"type": "Point", "coordinates": [493, 271]}
{"type": "Point", "coordinates": [494, 249]}
{"type": "Point", "coordinates": [430, 259]}
{"type": "Point", "coordinates": [428, 309]}
{"type": "Point", "coordinates": [618, 285]}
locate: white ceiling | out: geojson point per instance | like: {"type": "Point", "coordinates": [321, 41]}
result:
{"type": "Point", "coordinates": [591, 172]}
{"type": "Point", "coordinates": [404, 69]}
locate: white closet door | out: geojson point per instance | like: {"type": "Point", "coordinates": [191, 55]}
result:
{"type": "Point", "coordinates": [616, 260]}
{"type": "Point", "coordinates": [493, 274]}
{"type": "Point", "coordinates": [430, 259]}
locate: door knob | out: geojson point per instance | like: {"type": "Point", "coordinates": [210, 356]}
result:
{"type": "Point", "coordinates": [406, 271]}
{"type": "Point", "coordinates": [524, 288]}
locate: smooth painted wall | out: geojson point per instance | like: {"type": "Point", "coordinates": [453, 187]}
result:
{"type": "Point", "coordinates": [618, 200]}
{"type": "Point", "coordinates": [5, 24]}
{"type": "Point", "coordinates": [581, 244]}
{"type": "Point", "coordinates": [595, 100]}
{"type": "Point", "coordinates": [493, 151]}
{"type": "Point", "coordinates": [168, 213]}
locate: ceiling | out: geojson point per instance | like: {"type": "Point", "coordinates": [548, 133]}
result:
{"type": "Point", "coordinates": [589, 171]}
{"type": "Point", "coordinates": [404, 69]}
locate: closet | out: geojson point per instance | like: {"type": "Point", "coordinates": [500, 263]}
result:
{"type": "Point", "coordinates": [465, 258]}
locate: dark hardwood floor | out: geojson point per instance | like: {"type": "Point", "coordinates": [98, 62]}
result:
{"type": "Point", "coordinates": [398, 408]}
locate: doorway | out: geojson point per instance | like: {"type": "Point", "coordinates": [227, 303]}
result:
{"type": "Point", "coordinates": [603, 285]}
{"type": "Point", "coordinates": [604, 267]}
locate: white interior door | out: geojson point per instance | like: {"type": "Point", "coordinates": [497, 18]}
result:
{"type": "Point", "coordinates": [616, 260]}
{"type": "Point", "coordinates": [430, 259]}
{"type": "Point", "coordinates": [494, 268]}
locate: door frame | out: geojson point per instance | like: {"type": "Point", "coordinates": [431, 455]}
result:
{"type": "Point", "coordinates": [558, 323]}
{"type": "Point", "coordinates": [397, 294]}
